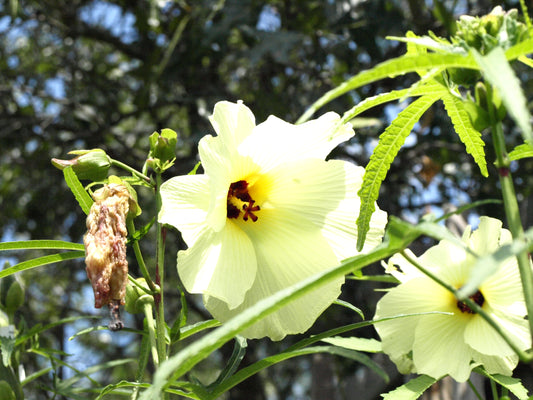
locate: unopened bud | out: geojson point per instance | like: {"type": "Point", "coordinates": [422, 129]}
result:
{"type": "Point", "coordinates": [136, 297]}
{"type": "Point", "coordinates": [105, 244]}
{"type": "Point", "coordinates": [11, 294]}
{"type": "Point", "coordinates": [89, 164]}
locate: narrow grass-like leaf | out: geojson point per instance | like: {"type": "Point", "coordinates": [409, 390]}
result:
{"type": "Point", "coordinates": [467, 207]}
{"type": "Point", "coordinates": [355, 343]}
{"type": "Point", "coordinates": [411, 390]}
{"type": "Point", "coordinates": [390, 142]}
{"type": "Point", "coordinates": [497, 71]}
{"type": "Point", "coordinates": [37, 262]}
{"type": "Point", "coordinates": [514, 385]}
{"type": "Point", "coordinates": [83, 198]}
{"type": "Point", "coordinates": [374, 101]}
{"type": "Point", "coordinates": [269, 361]}
{"type": "Point", "coordinates": [35, 330]}
{"type": "Point", "coordinates": [390, 69]}
{"type": "Point", "coordinates": [349, 306]}
{"type": "Point", "coordinates": [67, 383]}
{"type": "Point", "coordinates": [190, 330]}
{"type": "Point", "coordinates": [41, 245]}
{"type": "Point", "coordinates": [463, 127]}
{"type": "Point", "coordinates": [239, 351]}
{"type": "Point", "coordinates": [524, 150]}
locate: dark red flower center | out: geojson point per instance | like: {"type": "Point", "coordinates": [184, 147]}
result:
{"type": "Point", "coordinates": [476, 298]}
{"type": "Point", "coordinates": [239, 190]}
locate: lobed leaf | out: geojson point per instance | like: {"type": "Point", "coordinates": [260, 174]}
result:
{"type": "Point", "coordinates": [83, 198]}
{"type": "Point", "coordinates": [390, 142]}
{"type": "Point", "coordinates": [382, 98]}
{"type": "Point", "coordinates": [390, 69]}
{"type": "Point", "coordinates": [463, 127]}
{"type": "Point", "coordinates": [497, 71]}
{"type": "Point", "coordinates": [524, 150]}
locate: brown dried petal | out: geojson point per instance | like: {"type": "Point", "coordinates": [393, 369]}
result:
{"type": "Point", "coordinates": [105, 244]}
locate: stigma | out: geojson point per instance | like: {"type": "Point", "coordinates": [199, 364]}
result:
{"type": "Point", "coordinates": [239, 198]}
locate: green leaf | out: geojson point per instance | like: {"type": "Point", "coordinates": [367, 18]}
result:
{"type": "Point", "coordinates": [370, 102]}
{"type": "Point", "coordinates": [239, 351]}
{"type": "Point", "coordinates": [37, 262]}
{"type": "Point", "coordinates": [520, 49]}
{"type": "Point", "coordinates": [463, 127]}
{"type": "Point", "coordinates": [498, 72]}
{"type": "Point", "coordinates": [7, 345]}
{"type": "Point", "coordinates": [83, 198]}
{"type": "Point", "coordinates": [355, 343]}
{"type": "Point", "coordinates": [269, 361]}
{"type": "Point", "coordinates": [41, 244]}
{"type": "Point", "coordinates": [350, 306]}
{"type": "Point", "coordinates": [390, 142]}
{"type": "Point", "coordinates": [524, 150]}
{"type": "Point", "coordinates": [467, 207]}
{"type": "Point", "coordinates": [411, 390]}
{"type": "Point", "coordinates": [390, 69]}
{"type": "Point", "coordinates": [35, 330]}
{"type": "Point", "coordinates": [514, 385]}
{"type": "Point", "coordinates": [190, 330]}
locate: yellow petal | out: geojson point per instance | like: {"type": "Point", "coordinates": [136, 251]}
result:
{"type": "Point", "coordinates": [276, 142]}
{"type": "Point", "coordinates": [185, 202]}
{"type": "Point", "coordinates": [440, 349]}
{"type": "Point", "coordinates": [219, 264]}
{"type": "Point", "coordinates": [287, 252]}
{"type": "Point", "coordinates": [497, 365]}
{"type": "Point", "coordinates": [232, 122]}
{"type": "Point", "coordinates": [484, 339]}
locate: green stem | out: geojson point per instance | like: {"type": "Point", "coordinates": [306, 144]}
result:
{"type": "Point", "coordinates": [133, 171]}
{"type": "Point", "coordinates": [160, 279]}
{"type": "Point", "coordinates": [139, 257]}
{"type": "Point", "coordinates": [148, 314]}
{"type": "Point", "coordinates": [473, 306]}
{"type": "Point", "coordinates": [474, 389]}
{"type": "Point", "coordinates": [512, 211]}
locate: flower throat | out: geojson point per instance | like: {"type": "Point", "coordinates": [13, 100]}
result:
{"type": "Point", "coordinates": [476, 298]}
{"type": "Point", "coordinates": [239, 191]}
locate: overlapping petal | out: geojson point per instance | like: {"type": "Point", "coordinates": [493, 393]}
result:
{"type": "Point", "coordinates": [303, 223]}
{"type": "Point", "coordinates": [454, 344]}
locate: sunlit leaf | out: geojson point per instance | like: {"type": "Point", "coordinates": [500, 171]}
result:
{"type": "Point", "coordinates": [40, 261]}
{"type": "Point", "coordinates": [497, 71]}
{"type": "Point", "coordinates": [390, 69]}
{"type": "Point", "coordinates": [356, 343]}
{"type": "Point", "coordinates": [349, 306]}
{"type": "Point", "coordinates": [41, 245]}
{"type": "Point", "coordinates": [83, 198]}
{"type": "Point", "coordinates": [388, 146]}
{"type": "Point", "coordinates": [514, 385]}
{"type": "Point", "coordinates": [524, 150]}
{"type": "Point", "coordinates": [463, 127]}
{"type": "Point", "coordinates": [411, 390]}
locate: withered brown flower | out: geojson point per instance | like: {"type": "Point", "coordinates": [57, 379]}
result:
{"type": "Point", "coordinates": [105, 245]}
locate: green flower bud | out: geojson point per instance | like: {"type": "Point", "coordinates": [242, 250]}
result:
{"type": "Point", "coordinates": [162, 150]}
{"type": "Point", "coordinates": [6, 393]}
{"type": "Point", "coordinates": [89, 164]}
{"type": "Point", "coordinates": [136, 298]}
{"type": "Point", "coordinates": [11, 294]}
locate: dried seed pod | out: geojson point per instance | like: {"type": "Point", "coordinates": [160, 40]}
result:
{"type": "Point", "coordinates": [105, 244]}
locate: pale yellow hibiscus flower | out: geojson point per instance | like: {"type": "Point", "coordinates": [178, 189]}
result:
{"type": "Point", "coordinates": [268, 212]}
{"type": "Point", "coordinates": [441, 344]}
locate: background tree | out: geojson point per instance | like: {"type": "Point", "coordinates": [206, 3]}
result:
{"type": "Point", "coordinates": [88, 73]}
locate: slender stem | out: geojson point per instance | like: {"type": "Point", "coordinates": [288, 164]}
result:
{"type": "Point", "coordinates": [139, 257]}
{"type": "Point", "coordinates": [494, 390]}
{"type": "Point", "coordinates": [160, 279]}
{"type": "Point", "coordinates": [148, 314]}
{"type": "Point", "coordinates": [133, 171]}
{"type": "Point", "coordinates": [512, 212]}
{"type": "Point", "coordinates": [524, 356]}
{"type": "Point", "coordinates": [478, 395]}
